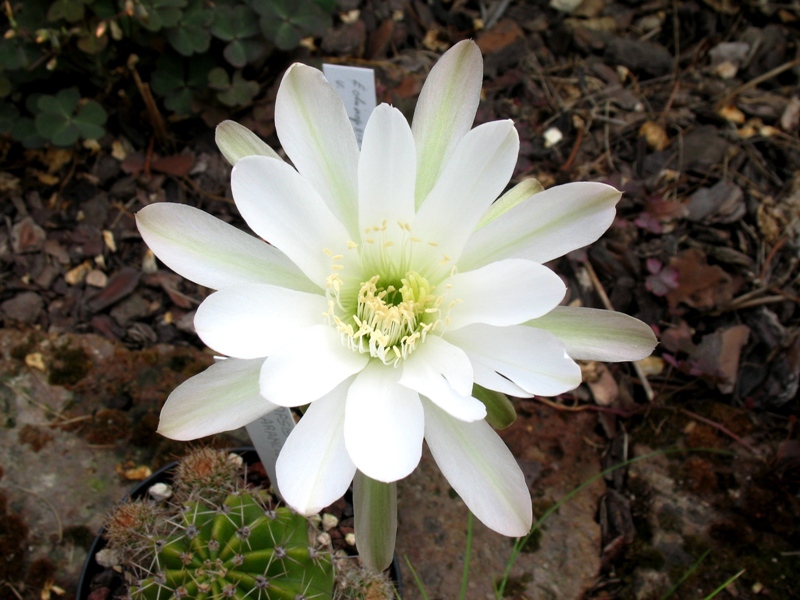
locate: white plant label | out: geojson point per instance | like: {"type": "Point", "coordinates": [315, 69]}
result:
{"type": "Point", "coordinates": [268, 435]}
{"type": "Point", "coordinates": [356, 87]}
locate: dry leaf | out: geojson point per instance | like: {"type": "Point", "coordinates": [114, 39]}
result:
{"type": "Point", "coordinates": [701, 285]}
{"type": "Point", "coordinates": [655, 135]}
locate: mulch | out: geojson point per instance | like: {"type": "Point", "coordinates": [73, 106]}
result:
{"type": "Point", "coordinates": [691, 108]}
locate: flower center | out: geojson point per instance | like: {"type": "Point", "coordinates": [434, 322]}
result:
{"type": "Point", "coordinates": [389, 320]}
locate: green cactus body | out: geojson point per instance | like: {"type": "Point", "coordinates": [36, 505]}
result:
{"type": "Point", "coordinates": [238, 549]}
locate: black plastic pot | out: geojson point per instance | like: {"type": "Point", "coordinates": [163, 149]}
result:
{"type": "Point", "coordinates": [91, 569]}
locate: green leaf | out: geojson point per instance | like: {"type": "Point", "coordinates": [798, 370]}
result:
{"type": "Point", "coordinates": [5, 87]}
{"type": "Point", "coordinates": [155, 15]}
{"type": "Point", "coordinates": [218, 79]}
{"type": "Point", "coordinates": [234, 23]}
{"type": "Point", "coordinates": [178, 80]}
{"type": "Point", "coordinates": [240, 92]}
{"type": "Point", "coordinates": [286, 22]}
{"type": "Point", "coordinates": [59, 130]}
{"type": "Point", "coordinates": [91, 113]}
{"type": "Point", "coordinates": [191, 35]}
{"type": "Point", "coordinates": [69, 10]}
{"type": "Point", "coordinates": [63, 122]}
{"type": "Point", "coordinates": [8, 117]}
{"type": "Point", "coordinates": [240, 52]}
{"type": "Point", "coordinates": [24, 130]}
{"type": "Point", "coordinates": [63, 103]}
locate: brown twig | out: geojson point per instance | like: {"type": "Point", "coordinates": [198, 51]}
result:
{"type": "Point", "coordinates": [574, 153]}
{"type": "Point", "coordinates": [757, 80]}
{"type": "Point", "coordinates": [49, 505]}
{"type": "Point", "coordinates": [719, 427]}
{"type": "Point", "coordinates": [627, 414]}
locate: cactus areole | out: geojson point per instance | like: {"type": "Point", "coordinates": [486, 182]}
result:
{"type": "Point", "coordinates": [239, 549]}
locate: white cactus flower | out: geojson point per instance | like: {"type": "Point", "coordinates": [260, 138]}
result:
{"type": "Point", "coordinates": [392, 282]}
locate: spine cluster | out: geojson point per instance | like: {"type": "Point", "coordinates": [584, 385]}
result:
{"type": "Point", "coordinates": [216, 538]}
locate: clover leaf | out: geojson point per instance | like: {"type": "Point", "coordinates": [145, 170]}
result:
{"type": "Point", "coordinates": [155, 15]}
{"type": "Point", "coordinates": [178, 81]}
{"type": "Point", "coordinates": [64, 118]}
{"type": "Point", "coordinates": [238, 26]}
{"type": "Point", "coordinates": [69, 10]}
{"type": "Point", "coordinates": [191, 35]}
{"type": "Point", "coordinates": [286, 22]}
{"type": "Point", "coordinates": [235, 91]}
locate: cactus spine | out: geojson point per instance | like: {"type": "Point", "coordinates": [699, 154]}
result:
{"type": "Point", "coordinates": [218, 539]}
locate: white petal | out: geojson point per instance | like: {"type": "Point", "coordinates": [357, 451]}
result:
{"type": "Point", "coordinates": [284, 209]}
{"type": "Point", "coordinates": [236, 141]}
{"type": "Point", "coordinates": [508, 292]}
{"type": "Point", "coordinates": [383, 424]}
{"type": "Point", "coordinates": [520, 192]}
{"type": "Point", "coordinates": [480, 168]}
{"type": "Point", "coordinates": [314, 469]}
{"type": "Point", "coordinates": [592, 334]}
{"type": "Point", "coordinates": [445, 111]}
{"type": "Point", "coordinates": [308, 367]}
{"type": "Point", "coordinates": [250, 321]}
{"type": "Point", "coordinates": [481, 470]}
{"type": "Point", "coordinates": [387, 170]}
{"type": "Point", "coordinates": [535, 362]}
{"type": "Point", "coordinates": [316, 133]}
{"type": "Point", "coordinates": [545, 226]}
{"type": "Point", "coordinates": [442, 372]}
{"type": "Point", "coordinates": [179, 235]}
{"type": "Point", "coordinates": [223, 397]}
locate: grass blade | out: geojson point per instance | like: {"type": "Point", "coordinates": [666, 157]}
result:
{"type": "Point", "coordinates": [724, 585]}
{"type": "Point", "coordinates": [417, 580]}
{"type": "Point", "coordinates": [686, 575]}
{"type": "Point", "coordinates": [467, 553]}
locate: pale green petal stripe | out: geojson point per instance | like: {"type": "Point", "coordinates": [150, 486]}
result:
{"type": "Point", "coordinates": [213, 253]}
{"type": "Point", "coordinates": [223, 397]}
{"type": "Point", "coordinates": [445, 111]}
{"type": "Point", "coordinates": [236, 141]}
{"type": "Point", "coordinates": [544, 226]}
{"type": "Point", "coordinates": [316, 133]}
{"type": "Point", "coordinates": [522, 191]}
{"type": "Point", "coordinates": [593, 334]}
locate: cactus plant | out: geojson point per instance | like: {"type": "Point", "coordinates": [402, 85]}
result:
{"type": "Point", "coordinates": [217, 538]}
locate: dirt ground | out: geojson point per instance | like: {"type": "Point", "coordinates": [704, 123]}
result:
{"type": "Point", "coordinates": [691, 108]}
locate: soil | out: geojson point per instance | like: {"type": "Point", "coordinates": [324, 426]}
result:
{"type": "Point", "coordinates": [691, 108]}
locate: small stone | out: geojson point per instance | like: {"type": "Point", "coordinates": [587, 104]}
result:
{"type": "Point", "coordinates": [78, 274]}
{"type": "Point", "coordinates": [27, 236]}
{"type": "Point", "coordinates": [324, 539]}
{"type": "Point", "coordinates": [160, 492]}
{"type": "Point", "coordinates": [96, 278]}
{"type": "Point", "coordinates": [57, 251]}
{"type": "Point", "coordinates": [329, 522]}
{"type": "Point", "coordinates": [137, 473]}
{"type": "Point", "coordinates": [35, 360]}
{"type": "Point", "coordinates": [47, 276]}
{"type": "Point", "coordinates": [24, 308]}
{"type": "Point", "coordinates": [149, 265]}
{"type": "Point", "coordinates": [552, 137]}
{"type": "Point", "coordinates": [107, 558]}
{"type": "Point", "coordinates": [108, 239]}
{"type": "Point", "coordinates": [350, 539]}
